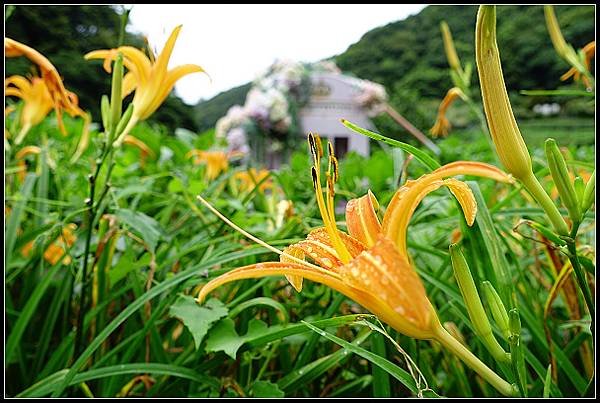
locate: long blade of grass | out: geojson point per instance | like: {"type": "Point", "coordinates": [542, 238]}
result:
{"type": "Point", "coordinates": [15, 217]}
{"type": "Point", "coordinates": [401, 375]}
{"type": "Point", "coordinates": [138, 303]}
{"type": "Point", "coordinates": [29, 309]}
{"type": "Point", "coordinates": [48, 384]}
{"type": "Point", "coordinates": [421, 156]}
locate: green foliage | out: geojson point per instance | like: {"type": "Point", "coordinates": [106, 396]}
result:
{"type": "Point", "coordinates": [152, 245]}
{"type": "Point", "coordinates": [198, 319]}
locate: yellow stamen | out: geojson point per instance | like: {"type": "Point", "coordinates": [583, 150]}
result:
{"type": "Point", "coordinates": [327, 209]}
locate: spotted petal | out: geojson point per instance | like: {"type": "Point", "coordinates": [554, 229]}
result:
{"type": "Point", "coordinates": [387, 275]}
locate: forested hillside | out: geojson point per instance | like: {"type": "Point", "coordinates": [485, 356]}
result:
{"type": "Point", "coordinates": [408, 58]}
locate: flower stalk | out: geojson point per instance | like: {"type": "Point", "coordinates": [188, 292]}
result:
{"type": "Point", "coordinates": [477, 314]}
{"type": "Point", "coordinates": [510, 146]}
{"type": "Point", "coordinates": [474, 363]}
{"type": "Point", "coordinates": [110, 116]}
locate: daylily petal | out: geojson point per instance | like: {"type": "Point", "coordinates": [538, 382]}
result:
{"type": "Point", "coordinates": [23, 152]}
{"type": "Point", "coordinates": [386, 274]}
{"type": "Point", "coordinates": [276, 269]}
{"type": "Point", "coordinates": [373, 262]}
{"type": "Point", "coordinates": [20, 82]}
{"type": "Point", "coordinates": [130, 83]}
{"type": "Point", "coordinates": [13, 92]}
{"type": "Point", "coordinates": [167, 85]}
{"type": "Point", "coordinates": [295, 281]}
{"type": "Point", "coordinates": [408, 197]}
{"type": "Point", "coordinates": [137, 62]}
{"type": "Point", "coordinates": [49, 73]}
{"type": "Point", "coordinates": [361, 219]}
{"type": "Point", "coordinates": [162, 62]}
{"type": "Point", "coordinates": [321, 235]}
{"type": "Point", "coordinates": [134, 141]}
{"type": "Point", "coordinates": [107, 54]}
{"type": "Point", "coordinates": [472, 168]}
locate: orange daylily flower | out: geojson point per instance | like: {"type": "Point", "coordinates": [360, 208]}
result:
{"type": "Point", "coordinates": [20, 157]}
{"type": "Point", "coordinates": [145, 151]}
{"type": "Point", "coordinates": [148, 77]}
{"type": "Point", "coordinates": [216, 161]}
{"type": "Point", "coordinates": [37, 101]}
{"type": "Point", "coordinates": [62, 99]}
{"type": "Point", "coordinates": [248, 179]}
{"type": "Point", "coordinates": [590, 51]}
{"type": "Point", "coordinates": [442, 124]}
{"type": "Point", "coordinates": [373, 256]}
{"type": "Point", "coordinates": [370, 263]}
{"type": "Point", "coordinates": [57, 249]}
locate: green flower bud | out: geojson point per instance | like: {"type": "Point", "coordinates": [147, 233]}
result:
{"type": "Point", "coordinates": [510, 146]}
{"type": "Point", "coordinates": [124, 120]}
{"type": "Point", "coordinates": [546, 232]}
{"type": "Point", "coordinates": [497, 307]}
{"type": "Point", "coordinates": [475, 309]}
{"type": "Point", "coordinates": [579, 186]}
{"type": "Point", "coordinates": [562, 180]}
{"type": "Point", "coordinates": [589, 193]}
{"type": "Point", "coordinates": [451, 55]}
{"type": "Point", "coordinates": [116, 101]}
{"type": "Point", "coordinates": [105, 111]}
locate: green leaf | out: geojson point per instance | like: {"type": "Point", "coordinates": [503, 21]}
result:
{"type": "Point", "coordinates": [126, 264]}
{"type": "Point", "coordinates": [15, 216]}
{"type": "Point", "coordinates": [49, 383]}
{"type": "Point", "coordinates": [544, 93]}
{"type": "Point", "coordinates": [547, 382]}
{"type": "Point", "coordinates": [266, 389]}
{"type": "Point", "coordinates": [223, 336]}
{"type": "Point", "coordinates": [421, 156]}
{"type": "Point", "coordinates": [381, 379]}
{"type": "Point", "coordinates": [18, 328]}
{"type": "Point", "coordinates": [198, 318]}
{"type": "Point", "coordinates": [401, 375]}
{"type": "Point", "coordinates": [147, 227]}
{"type": "Point", "coordinates": [138, 303]}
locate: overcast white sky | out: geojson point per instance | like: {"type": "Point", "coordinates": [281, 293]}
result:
{"type": "Point", "coordinates": [234, 43]}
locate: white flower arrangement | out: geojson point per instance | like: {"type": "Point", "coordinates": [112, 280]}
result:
{"type": "Point", "coordinates": [236, 116]}
{"type": "Point", "coordinates": [283, 87]}
{"type": "Point", "coordinates": [373, 97]}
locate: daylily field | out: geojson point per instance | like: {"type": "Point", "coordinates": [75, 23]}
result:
{"type": "Point", "coordinates": [142, 261]}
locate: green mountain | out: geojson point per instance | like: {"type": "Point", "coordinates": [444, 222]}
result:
{"type": "Point", "coordinates": [408, 57]}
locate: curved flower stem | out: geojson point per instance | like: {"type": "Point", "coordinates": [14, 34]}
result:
{"type": "Point", "coordinates": [581, 276]}
{"type": "Point", "coordinates": [534, 187]}
{"type": "Point", "coordinates": [474, 363]}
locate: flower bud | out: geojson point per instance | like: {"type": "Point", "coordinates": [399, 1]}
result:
{"type": "Point", "coordinates": [475, 309]}
{"type": "Point", "coordinates": [563, 49]}
{"type": "Point", "coordinates": [116, 103]}
{"type": "Point", "coordinates": [451, 55]}
{"type": "Point", "coordinates": [562, 180]}
{"type": "Point", "coordinates": [510, 146]}
{"type": "Point", "coordinates": [497, 307]}
{"type": "Point", "coordinates": [124, 120]}
{"type": "Point", "coordinates": [589, 193]}
{"type": "Point", "coordinates": [579, 187]}
{"type": "Point", "coordinates": [105, 112]}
